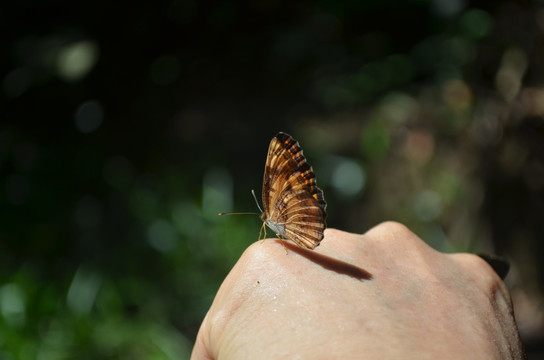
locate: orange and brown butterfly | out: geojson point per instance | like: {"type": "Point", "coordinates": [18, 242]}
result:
{"type": "Point", "coordinates": [294, 207]}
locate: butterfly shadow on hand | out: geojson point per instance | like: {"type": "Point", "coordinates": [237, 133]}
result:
{"type": "Point", "coordinates": [329, 263]}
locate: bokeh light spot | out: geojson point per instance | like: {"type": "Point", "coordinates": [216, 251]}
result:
{"type": "Point", "coordinates": [82, 293]}
{"type": "Point", "coordinates": [476, 23]}
{"type": "Point", "coordinates": [532, 99]}
{"type": "Point", "coordinates": [449, 186]}
{"type": "Point", "coordinates": [187, 219]}
{"type": "Point", "coordinates": [89, 116]}
{"type": "Point", "coordinates": [447, 8]}
{"type": "Point", "coordinates": [419, 146]}
{"type": "Point", "coordinates": [427, 205]}
{"type": "Point", "coordinates": [162, 236]}
{"type": "Point", "coordinates": [75, 60]}
{"type": "Point", "coordinates": [509, 77]}
{"type": "Point", "coordinates": [457, 94]}
{"type": "Point", "coordinates": [12, 305]}
{"type": "Point", "coordinates": [375, 140]}
{"type": "Point", "coordinates": [216, 193]}
{"type": "Point", "coordinates": [459, 50]}
{"type": "Point", "coordinates": [397, 107]}
{"type": "Point", "coordinates": [172, 344]}
{"type": "Point", "coordinates": [348, 177]}
{"type": "Point", "coordinates": [436, 238]}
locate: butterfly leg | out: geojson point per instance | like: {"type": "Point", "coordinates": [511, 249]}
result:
{"type": "Point", "coordinates": [281, 240]}
{"type": "Point", "coordinates": [263, 229]}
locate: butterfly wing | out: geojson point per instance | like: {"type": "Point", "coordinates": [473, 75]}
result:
{"type": "Point", "coordinates": [293, 205]}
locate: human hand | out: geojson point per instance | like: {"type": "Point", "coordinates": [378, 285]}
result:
{"type": "Point", "coordinates": [381, 295]}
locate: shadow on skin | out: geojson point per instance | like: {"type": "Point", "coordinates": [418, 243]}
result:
{"type": "Point", "coordinates": [328, 262]}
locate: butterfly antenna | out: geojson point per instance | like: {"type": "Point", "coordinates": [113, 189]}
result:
{"type": "Point", "coordinates": [238, 213]}
{"type": "Point", "coordinates": [245, 213]}
{"type": "Point", "coordinates": [256, 201]}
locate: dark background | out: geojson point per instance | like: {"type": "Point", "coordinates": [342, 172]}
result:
{"type": "Point", "coordinates": [126, 127]}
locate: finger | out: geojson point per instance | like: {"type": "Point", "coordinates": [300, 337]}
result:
{"type": "Point", "coordinates": [479, 271]}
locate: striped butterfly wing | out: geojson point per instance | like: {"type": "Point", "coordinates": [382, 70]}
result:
{"type": "Point", "coordinates": [294, 207]}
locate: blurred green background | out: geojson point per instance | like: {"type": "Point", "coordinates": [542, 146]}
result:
{"type": "Point", "coordinates": [126, 127]}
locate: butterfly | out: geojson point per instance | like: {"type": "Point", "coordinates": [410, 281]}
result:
{"type": "Point", "coordinates": [294, 207]}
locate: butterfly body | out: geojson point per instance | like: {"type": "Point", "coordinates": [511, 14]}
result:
{"type": "Point", "coordinates": [279, 229]}
{"type": "Point", "coordinates": [294, 207]}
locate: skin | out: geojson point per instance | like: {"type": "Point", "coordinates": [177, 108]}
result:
{"type": "Point", "coordinates": [381, 295]}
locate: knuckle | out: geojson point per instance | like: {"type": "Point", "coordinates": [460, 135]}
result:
{"type": "Point", "coordinates": [396, 227]}
{"type": "Point", "coordinates": [478, 269]}
{"type": "Point", "coordinates": [388, 228]}
{"type": "Point", "coordinates": [394, 233]}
